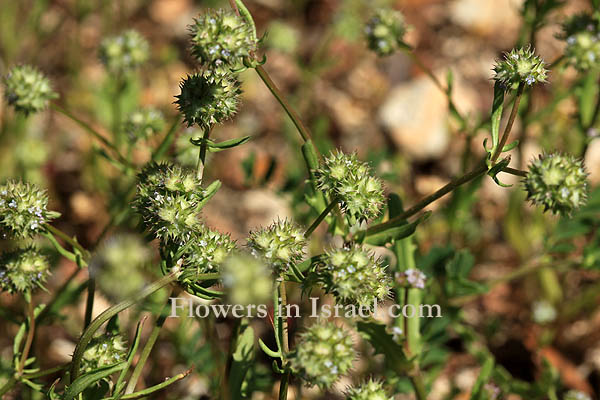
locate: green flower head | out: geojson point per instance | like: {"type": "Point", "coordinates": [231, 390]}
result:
{"type": "Point", "coordinates": [102, 351]}
{"type": "Point", "coordinates": [324, 353]}
{"type": "Point", "coordinates": [520, 66]}
{"type": "Point", "coordinates": [143, 124]}
{"type": "Point", "coordinates": [557, 182]}
{"type": "Point", "coordinates": [582, 34]}
{"type": "Point", "coordinates": [248, 279]}
{"type": "Point", "coordinates": [280, 244]}
{"type": "Point", "coordinates": [124, 53]}
{"type": "Point", "coordinates": [370, 390]}
{"type": "Point", "coordinates": [27, 89]}
{"type": "Point", "coordinates": [23, 270]}
{"type": "Point", "coordinates": [385, 31]}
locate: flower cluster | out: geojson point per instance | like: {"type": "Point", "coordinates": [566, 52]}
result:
{"type": "Point", "coordinates": [247, 279]}
{"type": "Point", "coordinates": [520, 66]}
{"type": "Point", "coordinates": [354, 276]}
{"type": "Point", "coordinates": [207, 98]}
{"type": "Point", "coordinates": [371, 390]}
{"type": "Point", "coordinates": [323, 354]}
{"type": "Point", "coordinates": [221, 39]}
{"type": "Point", "coordinates": [23, 210]}
{"type": "Point", "coordinates": [102, 351]}
{"type": "Point", "coordinates": [385, 31]}
{"type": "Point", "coordinates": [411, 277]}
{"type": "Point", "coordinates": [350, 180]}
{"type": "Point", "coordinates": [558, 182]}
{"type": "Point", "coordinates": [143, 124]}
{"type": "Point", "coordinates": [280, 244]}
{"type": "Point", "coordinates": [27, 89]}
{"type": "Point", "coordinates": [123, 53]}
{"type": "Point", "coordinates": [23, 270]}
{"type": "Point", "coordinates": [582, 34]}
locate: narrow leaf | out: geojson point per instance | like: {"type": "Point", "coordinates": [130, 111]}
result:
{"type": "Point", "coordinates": [227, 144]}
{"type": "Point", "coordinates": [86, 380]}
{"type": "Point", "coordinates": [395, 233]}
{"type": "Point", "coordinates": [384, 343]}
{"type": "Point", "coordinates": [497, 107]}
{"type": "Point", "coordinates": [243, 357]}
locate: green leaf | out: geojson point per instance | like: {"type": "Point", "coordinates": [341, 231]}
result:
{"type": "Point", "coordinates": [482, 379]}
{"type": "Point", "coordinates": [88, 379]}
{"type": "Point", "coordinates": [227, 144]}
{"type": "Point", "coordinates": [510, 146]}
{"type": "Point", "coordinates": [395, 233]}
{"type": "Point", "coordinates": [384, 343]}
{"type": "Point", "coordinates": [586, 97]}
{"type": "Point", "coordinates": [496, 169]}
{"type": "Point", "coordinates": [243, 356]}
{"type": "Point", "coordinates": [497, 107]}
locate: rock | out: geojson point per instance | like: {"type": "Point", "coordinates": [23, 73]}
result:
{"type": "Point", "coordinates": [487, 17]}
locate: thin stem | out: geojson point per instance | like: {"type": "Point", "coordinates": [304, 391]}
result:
{"type": "Point", "coordinates": [514, 171]}
{"type": "Point", "coordinates": [320, 218]}
{"type": "Point", "coordinates": [156, 388]}
{"type": "Point", "coordinates": [417, 382]}
{"type": "Point", "coordinates": [30, 333]}
{"type": "Point", "coordinates": [283, 386]}
{"type": "Point", "coordinates": [509, 124]}
{"type": "Point", "coordinates": [202, 154]}
{"type": "Point", "coordinates": [89, 305]}
{"type": "Point", "coordinates": [45, 372]}
{"type": "Point", "coordinates": [68, 239]}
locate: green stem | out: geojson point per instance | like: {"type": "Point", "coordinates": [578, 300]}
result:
{"type": "Point", "coordinates": [155, 388]}
{"type": "Point", "coordinates": [283, 386]}
{"type": "Point", "coordinates": [419, 386]}
{"type": "Point", "coordinates": [320, 218]}
{"type": "Point", "coordinates": [513, 115]}
{"type": "Point", "coordinates": [89, 305]}
{"type": "Point", "coordinates": [45, 372]}
{"type": "Point", "coordinates": [516, 172]}
{"type": "Point", "coordinates": [71, 241]}
{"type": "Point", "coordinates": [30, 333]}
{"type": "Point", "coordinates": [202, 154]}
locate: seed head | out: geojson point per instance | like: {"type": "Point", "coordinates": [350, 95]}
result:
{"type": "Point", "coordinates": [27, 89]}
{"type": "Point", "coordinates": [23, 210]}
{"type": "Point", "coordinates": [248, 280]}
{"type": "Point", "coordinates": [207, 98]}
{"type": "Point", "coordinates": [280, 244]}
{"type": "Point", "coordinates": [143, 124]}
{"type": "Point", "coordinates": [102, 351]}
{"type": "Point", "coordinates": [370, 390]}
{"type": "Point", "coordinates": [350, 180]}
{"type": "Point", "coordinates": [558, 182]}
{"type": "Point", "coordinates": [385, 31]}
{"type": "Point", "coordinates": [324, 353]}
{"type": "Point", "coordinates": [23, 270]}
{"type": "Point", "coordinates": [520, 66]}
{"type": "Point", "coordinates": [124, 53]}
{"type": "Point", "coordinates": [581, 32]}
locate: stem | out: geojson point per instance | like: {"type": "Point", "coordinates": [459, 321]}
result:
{"type": "Point", "coordinates": [12, 381]}
{"type": "Point", "coordinates": [89, 305]}
{"type": "Point", "coordinates": [156, 388]}
{"type": "Point", "coordinates": [202, 155]}
{"type": "Point", "coordinates": [30, 333]}
{"type": "Point", "coordinates": [320, 218]}
{"type": "Point", "coordinates": [417, 382]}
{"type": "Point", "coordinates": [73, 242]}
{"type": "Point", "coordinates": [283, 386]}
{"type": "Point", "coordinates": [45, 372]}
{"type": "Point", "coordinates": [509, 124]}
{"type": "Point", "coordinates": [513, 171]}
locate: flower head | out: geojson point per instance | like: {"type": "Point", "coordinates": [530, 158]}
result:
{"type": "Point", "coordinates": [370, 390]}
{"type": "Point", "coordinates": [102, 351]}
{"type": "Point", "coordinates": [248, 280]}
{"type": "Point", "coordinates": [350, 180]}
{"type": "Point", "coordinates": [582, 35]}
{"type": "Point", "coordinates": [354, 276]}
{"type": "Point", "coordinates": [221, 39]}
{"type": "Point", "coordinates": [23, 270]}
{"type": "Point", "coordinates": [280, 244]}
{"type": "Point", "coordinates": [520, 66]}
{"type": "Point", "coordinates": [323, 354]}
{"type": "Point", "coordinates": [27, 89]}
{"type": "Point", "coordinates": [207, 98]}
{"type": "Point", "coordinates": [23, 210]}
{"type": "Point", "coordinates": [558, 182]}
{"type": "Point", "coordinates": [385, 31]}
{"type": "Point", "coordinates": [123, 53]}
{"type": "Point", "coordinates": [143, 124]}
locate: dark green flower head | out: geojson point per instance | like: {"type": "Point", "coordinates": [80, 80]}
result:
{"type": "Point", "coordinates": [23, 270]}
{"type": "Point", "coordinates": [248, 279]}
{"type": "Point", "coordinates": [370, 390]}
{"type": "Point", "coordinates": [581, 32]}
{"type": "Point", "coordinates": [221, 39]}
{"type": "Point", "coordinates": [351, 181]}
{"type": "Point", "coordinates": [207, 98]}
{"type": "Point", "coordinates": [124, 53]}
{"type": "Point", "coordinates": [27, 89]}
{"type": "Point", "coordinates": [324, 353]}
{"type": "Point", "coordinates": [169, 199]}
{"type": "Point", "coordinates": [385, 31]}
{"type": "Point", "coordinates": [280, 244]}
{"type": "Point", "coordinates": [102, 351]}
{"type": "Point", "coordinates": [355, 276]}
{"type": "Point", "coordinates": [520, 66]}
{"type": "Point", "coordinates": [23, 210]}
{"type": "Point", "coordinates": [143, 124]}
{"type": "Point", "coordinates": [557, 182]}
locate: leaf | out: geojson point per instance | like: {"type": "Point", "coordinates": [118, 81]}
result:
{"type": "Point", "coordinates": [88, 379]}
{"type": "Point", "coordinates": [243, 356]}
{"type": "Point", "coordinates": [497, 107]}
{"type": "Point", "coordinates": [482, 379]}
{"type": "Point", "coordinates": [586, 97]}
{"type": "Point", "coordinates": [384, 343]}
{"type": "Point", "coordinates": [496, 169]}
{"type": "Point", "coordinates": [227, 144]}
{"type": "Point", "coordinates": [395, 233]}
{"type": "Point", "coordinates": [510, 146]}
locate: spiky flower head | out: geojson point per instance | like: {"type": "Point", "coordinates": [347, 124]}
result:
{"type": "Point", "coordinates": [23, 270]}
{"type": "Point", "coordinates": [412, 277]}
{"type": "Point", "coordinates": [351, 181]}
{"type": "Point", "coordinates": [385, 31]}
{"type": "Point", "coordinates": [124, 53]}
{"type": "Point", "coordinates": [282, 243]}
{"type": "Point", "coordinates": [169, 199]}
{"type": "Point", "coordinates": [221, 39]}
{"type": "Point", "coordinates": [143, 124]}
{"type": "Point", "coordinates": [248, 279]}
{"type": "Point", "coordinates": [207, 98]}
{"type": "Point", "coordinates": [370, 390]}
{"type": "Point", "coordinates": [576, 395]}
{"type": "Point", "coordinates": [558, 182]}
{"type": "Point", "coordinates": [324, 353]}
{"type": "Point", "coordinates": [354, 276]}
{"type": "Point", "coordinates": [103, 350]}
{"type": "Point", "coordinates": [582, 34]}
{"type": "Point", "coordinates": [117, 265]}
{"type": "Point", "coordinates": [520, 66]}
{"type": "Point", "coordinates": [23, 210]}
{"type": "Point", "coordinates": [27, 89]}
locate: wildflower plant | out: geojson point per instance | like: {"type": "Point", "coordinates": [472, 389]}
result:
{"type": "Point", "coordinates": [581, 33]}
{"type": "Point", "coordinates": [520, 66]}
{"type": "Point", "coordinates": [27, 89]}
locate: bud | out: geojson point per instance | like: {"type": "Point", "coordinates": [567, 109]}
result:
{"type": "Point", "coordinates": [247, 279]}
{"type": "Point", "coordinates": [582, 35]}
{"type": "Point", "coordinates": [207, 98]}
{"type": "Point", "coordinates": [221, 39]}
{"type": "Point", "coordinates": [558, 182]}
{"type": "Point", "coordinates": [385, 31]}
{"type": "Point", "coordinates": [371, 390]}
{"type": "Point", "coordinates": [23, 270]}
{"type": "Point", "coordinates": [23, 210]}
{"type": "Point", "coordinates": [280, 244]}
{"type": "Point", "coordinates": [324, 353]}
{"type": "Point", "coordinates": [520, 66]}
{"type": "Point", "coordinates": [143, 124]}
{"type": "Point", "coordinates": [350, 180]}
{"type": "Point", "coordinates": [123, 53]}
{"type": "Point", "coordinates": [354, 276]}
{"type": "Point", "coordinates": [576, 395]}
{"type": "Point", "coordinates": [27, 89]}
{"type": "Point", "coordinates": [102, 351]}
